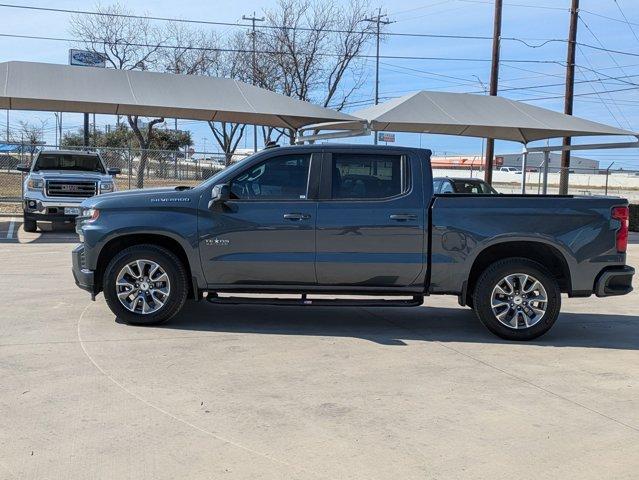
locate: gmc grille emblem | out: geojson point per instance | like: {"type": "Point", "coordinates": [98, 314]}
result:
{"type": "Point", "coordinates": [69, 188]}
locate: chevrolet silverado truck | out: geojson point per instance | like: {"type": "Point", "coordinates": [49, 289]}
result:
{"type": "Point", "coordinates": [58, 181]}
{"type": "Point", "coordinates": [339, 221]}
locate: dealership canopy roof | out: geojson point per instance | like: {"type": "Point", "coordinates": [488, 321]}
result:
{"type": "Point", "coordinates": [473, 116]}
{"type": "Point", "coordinates": [62, 88]}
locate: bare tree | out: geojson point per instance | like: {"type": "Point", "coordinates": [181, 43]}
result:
{"type": "Point", "coordinates": [317, 50]}
{"type": "Point", "coordinates": [144, 136]}
{"type": "Point", "coordinates": [234, 62]}
{"type": "Point", "coordinates": [191, 51]}
{"type": "Point", "coordinates": [126, 43]}
{"type": "Point", "coordinates": [228, 136]}
{"type": "Point", "coordinates": [31, 135]}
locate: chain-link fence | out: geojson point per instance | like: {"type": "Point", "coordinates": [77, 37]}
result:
{"type": "Point", "coordinates": [139, 168]}
{"type": "Point", "coordinates": [582, 181]}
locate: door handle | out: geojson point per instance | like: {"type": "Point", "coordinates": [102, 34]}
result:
{"type": "Point", "coordinates": [296, 216]}
{"type": "Point", "coordinates": [402, 217]}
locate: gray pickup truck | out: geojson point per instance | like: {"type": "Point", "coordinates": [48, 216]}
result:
{"type": "Point", "coordinates": [344, 221]}
{"type": "Point", "coordinates": [58, 181]}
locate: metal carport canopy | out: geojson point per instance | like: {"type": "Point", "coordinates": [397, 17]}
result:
{"type": "Point", "coordinates": [62, 88]}
{"type": "Point", "coordinates": [468, 115]}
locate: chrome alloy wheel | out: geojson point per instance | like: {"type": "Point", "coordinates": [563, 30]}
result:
{"type": "Point", "coordinates": [519, 301]}
{"type": "Point", "coordinates": [143, 287]}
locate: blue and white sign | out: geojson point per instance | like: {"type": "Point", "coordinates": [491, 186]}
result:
{"type": "Point", "coordinates": [385, 137]}
{"type": "Point", "coordinates": [85, 58]}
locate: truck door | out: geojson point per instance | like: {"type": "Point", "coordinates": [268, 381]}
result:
{"type": "Point", "coordinates": [265, 234]}
{"type": "Point", "coordinates": [371, 220]}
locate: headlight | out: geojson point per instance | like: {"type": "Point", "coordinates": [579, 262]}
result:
{"type": "Point", "coordinates": [106, 187]}
{"type": "Point", "coordinates": [90, 214]}
{"type": "Point", "coordinates": [35, 184]}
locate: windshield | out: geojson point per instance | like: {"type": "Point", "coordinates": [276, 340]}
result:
{"type": "Point", "coordinates": [70, 162]}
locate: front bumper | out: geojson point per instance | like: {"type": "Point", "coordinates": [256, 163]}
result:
{"type": "Point", "coordinates": [49, 210]}
{"type": "Point", "coordinates": [614, 281]}
{"type": "Point", "coordinates": [84, 277]}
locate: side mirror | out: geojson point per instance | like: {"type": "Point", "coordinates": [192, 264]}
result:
{"type": "Point", "coordinates": [220, 194]}
{"type": "Point", "coordinates": [114, 171]}
{"type": "Point", "coordinates": [23, 168]}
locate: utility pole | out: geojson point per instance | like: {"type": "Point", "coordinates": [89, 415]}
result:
{"type": "Point", "coordinates": [494, 81]}
{"type": "Point", "coordinates": [379, 20]}
{"type": "Point", "coordinates": [254, 19]}
{"type": "Point", "coordinates": [483, 140]}
{"type": "Point", "coordinates": [86, 129]}
{"type": "Point", "coordinates": [570, 89]}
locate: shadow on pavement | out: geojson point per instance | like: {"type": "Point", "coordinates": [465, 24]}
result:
{"type": "Point", "coordinates": [64, 233]}
{"type": "Point", "coordinates": [394, 326]}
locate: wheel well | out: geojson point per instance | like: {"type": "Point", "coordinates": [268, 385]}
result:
{"type": "Point", "coordinates": [548, 256]}
{"type": "Point", "coordinates": [125, 241]}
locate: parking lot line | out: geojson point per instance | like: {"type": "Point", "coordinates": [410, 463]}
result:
{"type": "Point", "coordinates": [12, 224]}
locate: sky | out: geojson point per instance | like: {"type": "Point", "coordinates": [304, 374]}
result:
{"type": "Point", "coordinates": [533, 57]}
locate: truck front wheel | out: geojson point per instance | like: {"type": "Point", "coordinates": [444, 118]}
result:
{"type": "Point", "coordinates": [29, 224]}
{"type": "Point", "coordinates": [517, 299]}
{"type": "Point", "coordinates": [145, 285]}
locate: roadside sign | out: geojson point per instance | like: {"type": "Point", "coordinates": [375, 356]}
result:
{"type": "Point", "coordinates": [385, 137]}
{"type": "Point", "coordinates": [85, 58]}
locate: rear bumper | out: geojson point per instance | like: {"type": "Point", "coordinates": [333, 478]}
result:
{"type": "Point", "coordinates": [614, 281]}
{"type": "Point", "coordinates": [84, 277]}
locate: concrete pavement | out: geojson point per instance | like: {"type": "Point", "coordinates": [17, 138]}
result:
{"type": "Point", "coordinates": [247, 392]}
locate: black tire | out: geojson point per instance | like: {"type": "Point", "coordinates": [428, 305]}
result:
{"type": "Point", "coordinates": [493, 275]}
{"type": "Point", "coordinates": [173, 267]}
{"type": "Point", "coordinates": [29, 224]}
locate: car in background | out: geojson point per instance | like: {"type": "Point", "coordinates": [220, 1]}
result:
{"type": "Point", "coordinates": [442, 185]}
{"type": "Point", "coordinates": [509, 169]}
{"type": "Point", "coordinates": [58, 181]}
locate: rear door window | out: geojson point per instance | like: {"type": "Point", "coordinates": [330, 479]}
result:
{"type": "Point", "coordinates": [361, 176]}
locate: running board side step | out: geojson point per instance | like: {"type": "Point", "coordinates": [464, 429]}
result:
{"type": "Point", "coordinates": [303, 300]}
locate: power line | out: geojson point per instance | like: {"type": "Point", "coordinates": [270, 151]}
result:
{"type": "Point", "coordinates": [214, 49]}
{"type": "Point", "coordinates": [229, 24]}
{"type": "Point", "coordinates": [614, 60]}
{"type": "Point", "coordinates": [542, 7]}
{"type": "Point", "coordinates": [278, 27]}
{"type": "Point", "coordinates": [595, 14]}
{"type": "Point", "coordinates": [584, 94]}
{"type": "Point", "coordinates": [626, 20]}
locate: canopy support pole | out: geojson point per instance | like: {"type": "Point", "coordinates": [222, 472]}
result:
{"type": "Point", "coordinates": [546, 162]}
{"type": "Point", "coordinates": [524, 161]}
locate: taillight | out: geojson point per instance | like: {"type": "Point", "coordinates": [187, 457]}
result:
{"type": "Point", "coordinates": [622, 214]}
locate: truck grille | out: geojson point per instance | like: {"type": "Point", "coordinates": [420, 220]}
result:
{"type": "Point", "coordinates": [65, 188]}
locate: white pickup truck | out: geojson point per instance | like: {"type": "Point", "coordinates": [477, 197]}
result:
{"type": "Point", "coordinates": [58, 181]}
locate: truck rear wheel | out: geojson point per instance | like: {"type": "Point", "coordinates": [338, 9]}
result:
{"type": "Point", "coordinates": [517, 299]}
{"type": "Point", "coordinates": [29, 225]}
{"type": "Point", "coordinates": [145, 285]}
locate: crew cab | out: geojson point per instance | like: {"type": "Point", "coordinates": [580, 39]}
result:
{"type": "Point", "coordinates": [58, 181]}
{"type": "Point", "coordinates": [349, 221]}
